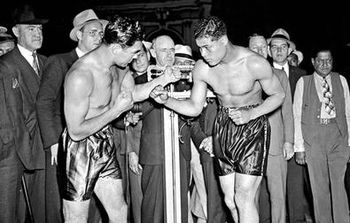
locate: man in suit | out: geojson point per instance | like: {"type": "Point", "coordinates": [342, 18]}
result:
{"type": "Point", "coordinates": [322, 118]}
{"type": "Point", "coordinates": [88, 33]}
{"type": "Point", "coordinates": [139, 67]}
{"type": "Point", "coordinates": [24, 64]}
{"type": "Point", "coordinates": [152, 146]}
{"type": "Point", "coordinates": [280, 47]}
{"type": "Point", "coordinates": [281, 143]}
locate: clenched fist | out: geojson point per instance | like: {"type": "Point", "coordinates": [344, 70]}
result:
{"type": "Point", "coordinates": [159, 94]}
{"type": "Point", "coordinates": [124, 101]}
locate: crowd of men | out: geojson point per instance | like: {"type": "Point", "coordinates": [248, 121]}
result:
{"type": "Point", "coordinates": [82, 132]}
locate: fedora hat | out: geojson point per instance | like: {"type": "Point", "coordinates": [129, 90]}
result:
{"type": "Point", "coordinates": [25, 15]}
{"type": "Point", "coordinates": [281, 34]}
{"type": "Point", "coordinates": [183, 51]}
{"type": "Point", "coordinates": [82, 19]}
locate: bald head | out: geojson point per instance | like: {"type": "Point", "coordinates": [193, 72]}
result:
{"type": "Point", "coordinates": [258, 44]}
{"type": "Point", "coordinates": [163, 49]}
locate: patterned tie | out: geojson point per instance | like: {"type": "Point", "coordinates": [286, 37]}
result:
{"type": "Point", "coordinates": [36, 64]}
{"type": "Point", "coordinates": [327, 95]}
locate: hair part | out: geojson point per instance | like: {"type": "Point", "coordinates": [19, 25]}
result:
{"type": "Point", "coordinates": [123, 31]}
{"type": "Point", "coordinates": [211, 26]}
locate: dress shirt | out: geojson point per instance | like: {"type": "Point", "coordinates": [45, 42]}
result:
{"type": "Point", "coordinates": [285, 67]}
{"type": "Point", "coordinates": [79, 52]}
{"type": "Point", "coordinates": [27, 54]}
{"type": "Point", "coordinates": [298, 102]}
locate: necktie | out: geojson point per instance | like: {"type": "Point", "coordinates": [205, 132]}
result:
{"type": "Point", "coordinates": [35, 63]}
{"type": "Point", "coordinates": [327, 95]}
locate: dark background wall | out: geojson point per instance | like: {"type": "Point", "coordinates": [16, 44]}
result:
{"type": "Point", "coordinates": [307, 22]}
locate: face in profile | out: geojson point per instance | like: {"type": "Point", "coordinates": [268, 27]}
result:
{"type": "Point", "coordinates": [6, 47]}
{"type": "Point", "coordinates": [128, 53]}
{"type": "Point", "coordinates": [29, 36]}
{"type": "Point", "coordinates": [212, 51]}
{"type": "Point", "coordinates": [91, 35]}
{"type": "Point", "coordinates": [141, 63]}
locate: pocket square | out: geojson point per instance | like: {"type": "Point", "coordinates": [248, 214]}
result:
{"type": "Point", "coordinates": [15, 83]}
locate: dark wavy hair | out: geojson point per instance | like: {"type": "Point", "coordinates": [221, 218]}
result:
{"type": "Point", "coordinates": [211, 26]}
{"type": "Point", "coordinates": [123, 30]}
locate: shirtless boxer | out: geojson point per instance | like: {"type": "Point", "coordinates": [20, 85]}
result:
{"type": "Point", "coordinates": [241, 135]}
{"type": "Point", "coordinates": [95, 94]}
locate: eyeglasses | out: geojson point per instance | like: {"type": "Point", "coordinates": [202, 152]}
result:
{"type": "Point", "coordinates": [94, 33]}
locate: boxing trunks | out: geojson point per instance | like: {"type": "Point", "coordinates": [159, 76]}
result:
{"type": "Point", "coordinates": [86, 161]}
{"type": "Point", "coordinates": [240, 148]}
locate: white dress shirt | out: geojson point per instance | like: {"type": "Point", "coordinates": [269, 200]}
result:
{"type": "Point", "coordinates": [27, 54]}
{"type": "Point", "coordinates": [298, 102]}
{"type": "Point", "coordinates": [79, 52]}
{"type": "Point", "coordinates": [285, 67]}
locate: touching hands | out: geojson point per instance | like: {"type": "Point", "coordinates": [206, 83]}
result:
{"type": "Point", "coordinates": [172, 74]}
{"type": "Point", "coordinates": [159, 94]}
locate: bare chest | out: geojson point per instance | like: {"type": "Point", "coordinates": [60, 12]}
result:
{"type": "Point", "coordinates": [106, 87]}
{"type": "Point", "coordinates": [233, 81]}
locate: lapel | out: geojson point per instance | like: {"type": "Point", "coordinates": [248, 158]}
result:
{"type": "Point", "coordinates": [29, 79]}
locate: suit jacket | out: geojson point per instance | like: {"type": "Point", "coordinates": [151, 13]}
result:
{"type": "Point", "coordinates": [49, 103]}
{"type": "Point", "coordinates": [281, 119]}
{"type": "Point", "coordinates": [203, 127]}
{"type": "Point", "coordinates": [16, 67]}
{"type": "Point", "coordinates": [294, 74]}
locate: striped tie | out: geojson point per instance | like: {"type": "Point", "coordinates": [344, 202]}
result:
{"type": "Point", "coordinates": [327, 95]}
{"type": "Point", "coordinates": [36, 64]}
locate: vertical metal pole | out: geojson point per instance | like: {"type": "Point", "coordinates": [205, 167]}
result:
{"type": "Point", "coordinates": [27, 200]}
{"type": "Point", "coordinates": [172, 167]}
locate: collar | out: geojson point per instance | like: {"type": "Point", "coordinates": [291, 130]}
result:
{"type": "Point", "coordinates": [27, 54]}
{"type": "Point", "coordinates": [320, 78]}
{"type": "Point", "coordinates": [276, 65]}
{"type": "Point", "coordinates": [79, 52]}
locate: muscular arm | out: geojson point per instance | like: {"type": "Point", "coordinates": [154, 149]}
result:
{"type": "Point", "coordinates": [77, 90]}
{"type": "Point", "coordinates": [194, 105]}
{"type": "Point", "coordinates": [141, 92]}
{"type": "Point", "coordinates": [261, 70]}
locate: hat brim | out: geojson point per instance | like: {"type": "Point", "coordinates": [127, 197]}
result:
{"type": "Point", "coordinates": [32, 22]}
{"type": "Point", "coordinates": [291, 44]}
{"type": "Point", "coordinates": [73, 32]}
